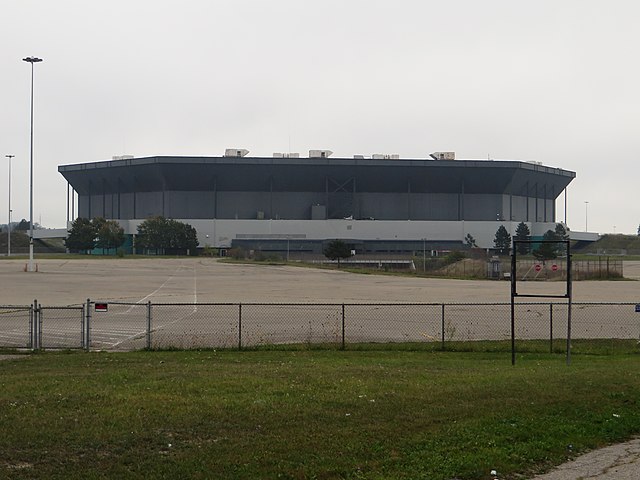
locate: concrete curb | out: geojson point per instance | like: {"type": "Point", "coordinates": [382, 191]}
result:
{"type": "Point", "coordinates": [619, 462]}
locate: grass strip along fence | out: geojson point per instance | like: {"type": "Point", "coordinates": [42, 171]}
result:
{"type": "Point", "coordinates": [539, 327]}
{"type": "Point", "coordinates": [308, 414]}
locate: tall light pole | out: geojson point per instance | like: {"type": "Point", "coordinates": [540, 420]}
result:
{"type": "Point", "coordinates": [31, 60]}
{"type": "Point", "coordinates": [586, 216]}
{"type": "Point", "coordinates": [9, 222]}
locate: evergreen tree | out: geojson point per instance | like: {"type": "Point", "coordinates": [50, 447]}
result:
{"type": "Point", "coordinates": [23, 225]}
{"type": "Point", "coordinates": [336, 250]}
{"type": "Point", "coordinates": [502, 241]}
{"type": "Point", "coordinates": [561, 232]}
{"type": "Point", "coordinates": [470, 241]}
{"type": "Point", "coordinates": [546, 251]}
{"type": "Point", "coordinates": [523, 233]}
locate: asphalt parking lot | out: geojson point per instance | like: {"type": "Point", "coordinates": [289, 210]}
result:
{"type": "Point", "coordinates": [192, 280]}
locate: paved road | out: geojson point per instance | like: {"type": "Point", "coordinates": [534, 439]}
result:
{"type": "Point", "coordinates": [631, 269]}
{"type": "Point", "coordinates": [617, 462]}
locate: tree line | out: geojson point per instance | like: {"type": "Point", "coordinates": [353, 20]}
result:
{"type": "Point", "coordinates": [158, 234]}
{"type": "Point", "coordinates": [543, 251]}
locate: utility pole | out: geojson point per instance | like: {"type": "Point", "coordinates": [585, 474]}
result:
{"type": "Point", "coordinates": [9, 222]}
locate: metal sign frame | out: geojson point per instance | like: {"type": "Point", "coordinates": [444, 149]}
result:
{"type": "Point", "coordinates": [514, 291]}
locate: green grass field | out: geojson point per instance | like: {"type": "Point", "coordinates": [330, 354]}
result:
{"type": "Point", "coordinates": [308, 414]}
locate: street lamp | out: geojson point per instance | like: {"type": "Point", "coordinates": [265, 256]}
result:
{"type": "Point", "coordinates": [31, 60]}
{"type": "Point", "coordinates": [9, 222]}
{"type": "Point", "coordinates": [586, 216]}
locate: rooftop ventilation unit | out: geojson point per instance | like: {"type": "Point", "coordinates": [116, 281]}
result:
{"type": "Point", "coordinates": [122, 157]}
{"type": "Point", "coordinates": [286, 155]}
{"type": "Point", "coordinates": [320, 153]}
{"type": "Point", "coordinates": [359, 157]}
{"type": "Point", "coordinates": [236, 152]}
{"type": "Point", "coordinates": [384, 156]}
{"type": "Point", "coordinates": [443, 155]}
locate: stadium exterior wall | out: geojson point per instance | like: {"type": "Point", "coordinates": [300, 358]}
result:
{"type": "Point", "coordinates": [388, 203]}
{"type": "Point", "coordinates": [222, 233]}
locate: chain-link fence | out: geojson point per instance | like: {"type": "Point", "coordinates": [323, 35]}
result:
{"type": "Point", "coordinates": [60, 327]}
{"type": "Point", "coordinates": [454, 326]}
{"type": "Point", "coordinates": [16, 324]}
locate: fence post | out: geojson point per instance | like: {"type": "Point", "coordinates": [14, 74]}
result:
{"type": "Point", "coordinates": [239, 326]}
{"type": "Point", "coordinates": [343, 327]}
{"type": "Point", "coordinates": [32, 326]}
{"type": "Point", "coordinates": [149, 325]}
{"type": "Point", "coordinates": [87, 325]}
{"type": "Point", "coordinates": [83, 336]}
{"type": "Point", "coordinates": [551, 328]}
{"type": "Point", "coordinates": [37, 327]}
{"type": "Point", "coordinates": [443, 339]}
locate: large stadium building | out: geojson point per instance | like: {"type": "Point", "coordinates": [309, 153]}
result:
{"type": "Point", "coordinates": [378, 204]}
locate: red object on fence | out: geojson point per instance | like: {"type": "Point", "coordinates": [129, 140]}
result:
{"type": "Point", "coordinates": [101, 307]}
{"type": "Point", "coordinates": [554, 267]}
{"type": "Point", "coordinates": [538, 267]}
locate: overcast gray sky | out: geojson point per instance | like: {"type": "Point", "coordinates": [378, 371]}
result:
{"type": "Point", "coordinates": [555, 81]}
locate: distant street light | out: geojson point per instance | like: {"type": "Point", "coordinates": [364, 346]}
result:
{"type": "Point", "coordinates": [31, 60]}
{"type": "Point", "coordinates": [586, 216]}
{"type": "Point", "coordinates": [9, 222]}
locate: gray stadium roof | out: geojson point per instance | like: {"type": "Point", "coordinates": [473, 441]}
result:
{"type": "Point", "coordinates": [310, 174]}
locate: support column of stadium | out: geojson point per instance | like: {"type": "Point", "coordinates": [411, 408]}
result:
{"type": "Point", "coordinates": [164, 188]}
{"type": "Point", "coordinates": [408, 199]}
{"type": "Point", "coordinates": [326, 197]}
{"type": "Point", "coordinates": [461, 203]}
{"type": "Point", "coordinates": [354, 201]}
{"type": "Point", "coordinates": [547, 218]}
{"type": "Point", "coordinates": [526, 196]}
{"type": "Point", "coordinates": [509, 190]}
{"type": "Point", "coordinates": [104, 199]}
{"type": "Point", "coordinates": [89, 200]}
{"type": "Point", "coordinates": [215, 205]}
{"type": "Point", "coordinates": [270, 197]}
{"type": "Point", "coordinates": [537, 218]}
{"type": "Point", "coordinates": [133, 188]}
{"type": "Point", "coordinates": [553, 203]}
